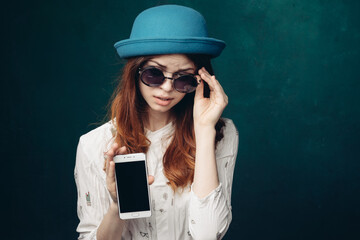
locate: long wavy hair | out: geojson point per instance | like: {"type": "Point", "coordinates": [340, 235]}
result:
{"type": "Point", "coordinates": [129, 110]}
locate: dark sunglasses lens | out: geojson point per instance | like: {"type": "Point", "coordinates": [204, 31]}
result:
{"type": "Point", "coordinates": [185, 84]}
{"type": "Point", "coordinates": [152, 77]}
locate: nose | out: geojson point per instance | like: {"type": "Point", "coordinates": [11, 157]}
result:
{"type": "Point", "coordinates": [167, 84]}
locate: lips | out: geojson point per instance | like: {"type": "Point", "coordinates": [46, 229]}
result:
{"type": "Point", "coordinates": [163, 101]}
{"type": "Point", "coordinates": [164, 98]}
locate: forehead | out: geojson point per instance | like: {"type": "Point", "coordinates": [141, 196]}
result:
{"type": "Point", "coordinates": [172, 62]}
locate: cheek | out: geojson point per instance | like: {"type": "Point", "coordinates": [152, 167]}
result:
{"type": "Point", "coordinates": [144, 90]}
{"type": "Point", "coordinates": [179, 96]}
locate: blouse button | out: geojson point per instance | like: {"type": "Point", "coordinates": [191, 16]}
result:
{"type": "Point", "coordinates": [192, 222]}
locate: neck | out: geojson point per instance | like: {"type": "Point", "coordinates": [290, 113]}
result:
{"type": "Point", "coordinates": [157, 120]}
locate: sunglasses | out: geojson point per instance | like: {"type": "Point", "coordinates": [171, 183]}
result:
{"type": "Point", "coordinates": [154, 77]}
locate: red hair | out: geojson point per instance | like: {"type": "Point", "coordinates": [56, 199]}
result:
{"type": "Point", "coordinates": [128, 111]}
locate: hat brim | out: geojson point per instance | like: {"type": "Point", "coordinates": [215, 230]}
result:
{"type": "Point", "coordinates": [195, 45]}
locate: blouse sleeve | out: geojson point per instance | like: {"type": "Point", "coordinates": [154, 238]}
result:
{"type": "Point", "coordinates": [210, 217]}
{"type": "Point", "coordinates": [92, 201]}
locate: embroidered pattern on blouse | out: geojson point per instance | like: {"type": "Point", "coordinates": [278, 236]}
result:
{"type": "Point", "coordinates": [88, 200]}
{"type": "Point", "coordinates": [144, 235]}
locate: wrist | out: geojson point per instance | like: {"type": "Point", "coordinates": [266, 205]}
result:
{"type": "Point", "coordinates": [204, 128]}
{"type": "Point", "coordinates": [207, 132]}
{"type": "Point", "coordinates": [114, 208]}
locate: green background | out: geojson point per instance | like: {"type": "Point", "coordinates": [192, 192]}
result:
{"type": "Point", "coordinates": [291, 70]}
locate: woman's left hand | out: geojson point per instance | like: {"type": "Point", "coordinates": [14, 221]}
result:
{"type": "Point", "coordinates": [207, 111]}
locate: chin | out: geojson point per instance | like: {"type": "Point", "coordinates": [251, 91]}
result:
{"type": "Point", "coordinates": [161, 109]}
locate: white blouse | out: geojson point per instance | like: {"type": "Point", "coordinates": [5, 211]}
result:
{"type": "Point", "coordinates": [179, 215]}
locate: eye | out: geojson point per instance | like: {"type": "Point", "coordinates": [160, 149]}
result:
{"type": "Point", "coordinates": [179, 74]}
{"type": "Point", "coordinates": [155, 72]}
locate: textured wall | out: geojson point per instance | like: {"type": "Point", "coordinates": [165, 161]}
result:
{"type": "Point", "coordinates": [291, 70]}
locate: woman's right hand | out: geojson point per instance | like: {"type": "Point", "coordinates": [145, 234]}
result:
{"type": "Point", "coordinates": [110, 169]}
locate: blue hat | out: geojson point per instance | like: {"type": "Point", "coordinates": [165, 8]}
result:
{"type": "Point", "coordinates": [169, 29]}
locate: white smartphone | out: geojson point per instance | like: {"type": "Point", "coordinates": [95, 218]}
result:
{"type": "Point", "coordinates": [132, 186]}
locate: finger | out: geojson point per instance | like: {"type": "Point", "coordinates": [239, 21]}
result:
{"type": "Point", "coordinates": [111, 172]}
{"type": "Point", "coordinates": [110, 181]}
{"type": "Point", "coordinates": [219, 95]}
{"type": "Point", "coordinates": [205, 75]}
{"type": "Point", "coordinates": [212, 79]}
{"type": "Point", "coordinates": [151, 179]}
{"type": "Point", "coordinates": [115, 150]}
{"type": "Point", "coordinates": [203, 69]}
{"type": "Point", "coordinates": [216, 90]}
{"type": "Point", "coordinates": [121, 150]}
{"type": "Point", "coordinates": [199, 92]}
{"type": "Point", "coordinates": [110, 154]}
{"type": "Point", "coordinates": [106, 158]}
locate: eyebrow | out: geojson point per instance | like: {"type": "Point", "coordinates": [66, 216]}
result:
{"type": "Point", "coordinates": [164, 67]}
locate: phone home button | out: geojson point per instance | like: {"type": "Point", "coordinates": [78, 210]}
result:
{"type": "Point", "coordinates": [135, 214]}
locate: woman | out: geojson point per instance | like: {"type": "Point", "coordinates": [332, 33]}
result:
{"type": "Point", "coordinates": [168, 105]}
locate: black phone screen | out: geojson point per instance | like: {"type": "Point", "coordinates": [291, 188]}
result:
{"type": "Point", "coordinates": [132, 186]}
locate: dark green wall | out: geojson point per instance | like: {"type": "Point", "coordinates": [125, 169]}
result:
{"type": "Point", "coordinates": [291, 70]}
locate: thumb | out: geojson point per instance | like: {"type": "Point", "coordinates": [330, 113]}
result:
{"type": "Point", "coordinates": [151, 179]}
